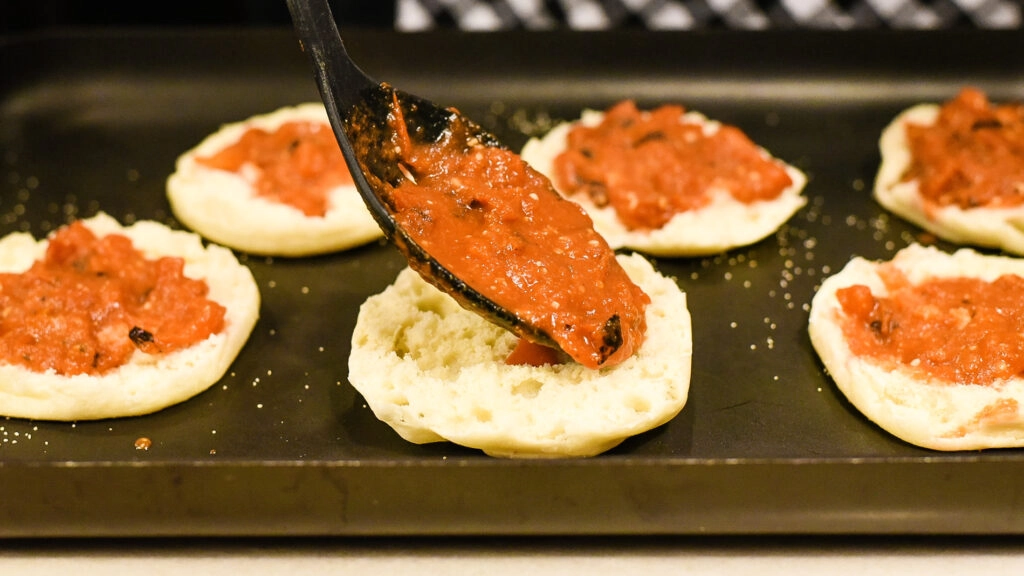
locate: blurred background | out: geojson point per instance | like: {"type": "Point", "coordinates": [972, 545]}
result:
{"type": "Point", "coordinates": [483, 15]}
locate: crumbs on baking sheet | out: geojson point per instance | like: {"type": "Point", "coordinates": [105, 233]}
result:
{"type": "Point", "coordinates": [14, 436]}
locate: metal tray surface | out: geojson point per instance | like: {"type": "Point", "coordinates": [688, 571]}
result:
{"type": "Point", "coordinates": [284, 446]}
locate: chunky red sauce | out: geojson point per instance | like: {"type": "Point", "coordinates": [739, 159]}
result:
{"type": "Point", "coordinates": [298, 164]}
{"type": "Point", "coordinates": [972, 156]}
{"type": "Point", "coordinates": [500, 227]}
{"type": "Point", "coordinates": [91, 302]}
{"type": "Point", "coordinates": [959, 330]}
{"type": "Point", "coordinates": [651, 166]}
{"type": "Point", "coordinates": [528, 353]}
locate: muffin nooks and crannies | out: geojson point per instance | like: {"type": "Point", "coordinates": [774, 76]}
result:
{"type": "Point", "coordinates": [957, 170]}
{"type": "Point", "coordinates": [668, 182]}
{"type": "Point", "coordinates": [274, 184]}
{"type": "Point", "coordinates": [928, 345]}
{"type": "Point", "coordinates": [434, 371]}
{"type": "Point", "coordinates": [113, 321]}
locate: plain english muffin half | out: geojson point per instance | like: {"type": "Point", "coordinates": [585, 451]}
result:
{"type": "Point", "coordinates": [434, 371]}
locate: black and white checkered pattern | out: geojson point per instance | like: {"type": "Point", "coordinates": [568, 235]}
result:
{"type": "Point", "coordinates": [482, 15]}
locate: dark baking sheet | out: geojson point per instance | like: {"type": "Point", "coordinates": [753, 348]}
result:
{"type": "Point", "coordinates": [284, 446]}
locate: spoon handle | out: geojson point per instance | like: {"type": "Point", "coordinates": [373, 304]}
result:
{"type": "Point", "coordinates": [341, 82]}
{"type": "Point", "coordinates": [342, 86]}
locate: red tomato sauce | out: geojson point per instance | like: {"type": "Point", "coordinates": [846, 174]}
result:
{"type": "Point", "coordinates": [528, 353]}
{"type": "Point", "coordinates": [298, 164]}
{"type": "Point", "coordinates": [957, 330]}
{"type": "Point", "coordinates": [91, 302]}
{"type": "Point", "coordinates": [973, 156]}
{"type": "Point", "coordinates": [500, 227]}
{"type": "Point", "coordinates": [650, 167]}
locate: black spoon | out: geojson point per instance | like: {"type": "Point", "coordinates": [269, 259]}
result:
{"type": "Point", "coordinates": [358, 108]}
{"type": "Point", "coordinates": [363, 114]}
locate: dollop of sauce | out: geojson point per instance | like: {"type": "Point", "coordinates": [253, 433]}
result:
{"type": "Point", "coordinates": [651, 166]}
{"type": "Point", "coordinates": [91, 302]}
{"type": "Point", "coordinates": [955, 330]}
{"type": "Point", "coordinates": [298, 164]}
{"type": "Point", "coordinates": [501, 228]}
{"type": "Point", "coordinates": [528, 353]}
{"type": "Point", "coordinates": [972, 156]}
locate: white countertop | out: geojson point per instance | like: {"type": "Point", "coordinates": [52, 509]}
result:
{"type": "Point", "coordinates": [767, 556]}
